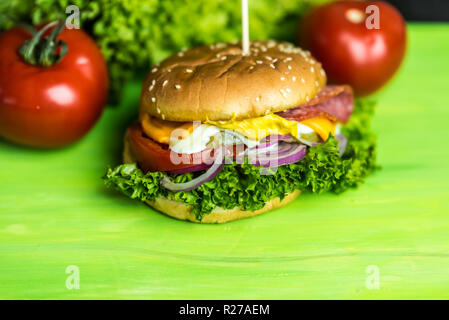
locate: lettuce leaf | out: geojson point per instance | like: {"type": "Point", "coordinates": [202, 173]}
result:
{"type": "Point", "coordinates": [243, 186]}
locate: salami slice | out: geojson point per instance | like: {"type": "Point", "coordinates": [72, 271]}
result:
{"type": "Point", "coordinates": [333, 102]}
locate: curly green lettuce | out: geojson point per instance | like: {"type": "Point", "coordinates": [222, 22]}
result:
{"type": "Point", "coordinates": [243, 186]}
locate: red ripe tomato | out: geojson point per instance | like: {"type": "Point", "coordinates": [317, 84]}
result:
{"type": "Point", "coordinates": [343, 37]}
{"type": "Point", "coordinates": [153, 156]}
{"type": "Point", "coordinates": [54, 105]}
{"type": "Point", "coordinates": [150, 155]}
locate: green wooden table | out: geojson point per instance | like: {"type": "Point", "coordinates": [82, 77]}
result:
{"type": "Point", "coordinates": [55, 213]}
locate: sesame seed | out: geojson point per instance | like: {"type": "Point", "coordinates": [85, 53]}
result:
{"type": "Point", "coordinates": [316, 83]}
{"type": "Point", "coordinates": [153, 82]}
{"type": "Point", "coordinates": [288, 90]}
{"type": "Point", "coordinates": [189, 70]}
{"type": "Point", "coordinates": [282, 78]}
{"type": "Point", "coordinates": [177, 86]}
{"type": "Point", "coordinates": [307, 98]}
{"type": "Point", "coordinates": [312, 69]}
{"type": "Point", "coordinates": [224, 58]}
{"type": "Point", "coordinates": [267, 112]}
{"type": "Point", "coordinates": [287, 59]}
{"type": "Point", "coordinates": [268, 58]}
{"type": "Point", "coordinates": [259, 61]}
{"type": "Point", "coordinates": [283, 92]}
{"type": "Point", "coordinates": [322, 72]}
{"type": "Point", "coordinates": [289, 67]}
{"type": "Point", "coordinates": [303, 81]}
{"type": "Point", "coordinates": [294, 79]}
{"type": "Point", "coordinates": [180, 54]}
{"type": "Point", "coordinates": [272, 65]}
{"type": "Point", "coordinates": [151, 88]}
{"type": "Point", "coordinates": [251, 68]}
{"type": "Point", "coordinates": [153, 99]}
{"type": "Point", "coordinates": [164, 83]}
{"type": "Point", "coordinates": [153, 70]}
{"type": "Point", "coordinates": [218, 55]}
{"type": "Point", "coordinates": [275, 60]}
{"type": "Point", "coordinates": [163, 116]}
{"type": "Point", "coordinates": [158, 110]}
{"type": "Point", "coordinates": [257, 99]}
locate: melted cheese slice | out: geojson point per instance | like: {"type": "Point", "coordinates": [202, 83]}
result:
{"type": "Point", "coordinates": [322, 126]}
{"type": "Point", "coordinates": [160, 130]}
{"type": "Point", "coordinates": [253, 128]}
{"type": "Point", "coordinates": [260, 127]}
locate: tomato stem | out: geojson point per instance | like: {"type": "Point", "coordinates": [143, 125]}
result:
{"type": "Point", "coordinates": [44, 51]}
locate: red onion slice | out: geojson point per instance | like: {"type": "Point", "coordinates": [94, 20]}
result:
{"type": "Point", "coordinates": [297, 153]}
{"type": "Point", "coordinates": [265, 145]}
{"type": "Point", "coordinates": [194, 168]}
{"type": "Point", "coordinates": [278, 137]}
{"type": "Point", "coordinates": [287, 153]}
{"type": "Point", "coordinates": [269, 142]}
{"type": "Point", "coordinates": [195, 183]}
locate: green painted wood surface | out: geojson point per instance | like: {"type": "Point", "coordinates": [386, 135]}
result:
{"type": "Point", "coordinates": [55, 212]}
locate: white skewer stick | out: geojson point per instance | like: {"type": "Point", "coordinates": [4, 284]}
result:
{"type": "Point", "coordinates": [245, 28]}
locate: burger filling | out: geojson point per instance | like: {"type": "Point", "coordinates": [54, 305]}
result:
{"type": "Point", "coordinates": [246, 163]}
{"type": "Point", "coordinates": [190, 138]}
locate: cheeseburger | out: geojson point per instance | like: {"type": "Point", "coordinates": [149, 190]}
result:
{"type": "Point", "coordinates": [223, 136]}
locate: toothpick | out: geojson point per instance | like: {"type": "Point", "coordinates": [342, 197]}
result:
{"type": "Point", "coordinates": [245, 28]}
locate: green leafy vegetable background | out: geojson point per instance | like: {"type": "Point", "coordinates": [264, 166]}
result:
{"type": "Point", "coordinates": [133, 34]}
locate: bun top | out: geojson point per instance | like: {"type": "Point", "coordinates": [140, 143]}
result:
{"type": "Point", "coordinates": [217, 82]}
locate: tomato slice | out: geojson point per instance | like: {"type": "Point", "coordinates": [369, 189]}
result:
{"type": "Point", "coordinates": [153, 156]}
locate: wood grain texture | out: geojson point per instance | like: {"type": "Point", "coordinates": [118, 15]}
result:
{"type": "Point", "coordinates": [55, 212]}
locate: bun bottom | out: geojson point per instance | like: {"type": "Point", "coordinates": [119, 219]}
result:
{"type": "Point", "coordinates": [181, 211]}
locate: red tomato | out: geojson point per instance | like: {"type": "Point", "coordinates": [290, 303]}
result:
{"type": "Point", "coordinates": [152, 156]}
{"type": "Point", "coordinates": [50, 106]}
{"type": "Point", "coordinates": [337, 35]}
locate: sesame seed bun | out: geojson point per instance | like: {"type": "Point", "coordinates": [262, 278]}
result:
{"type": "Point", "coordinates": [181, 211]}
{"type": "Point", "coordinates": [218, 83]}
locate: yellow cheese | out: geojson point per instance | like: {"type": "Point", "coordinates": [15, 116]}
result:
{"type": "Point", "coordinates": [259, 127]}
{"type": "Point", "coordinates": [253, 128]}
{"type": "Point", "coordinates": [321, 126]}
{"type": "Point", "coordinates": [160, 130]}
